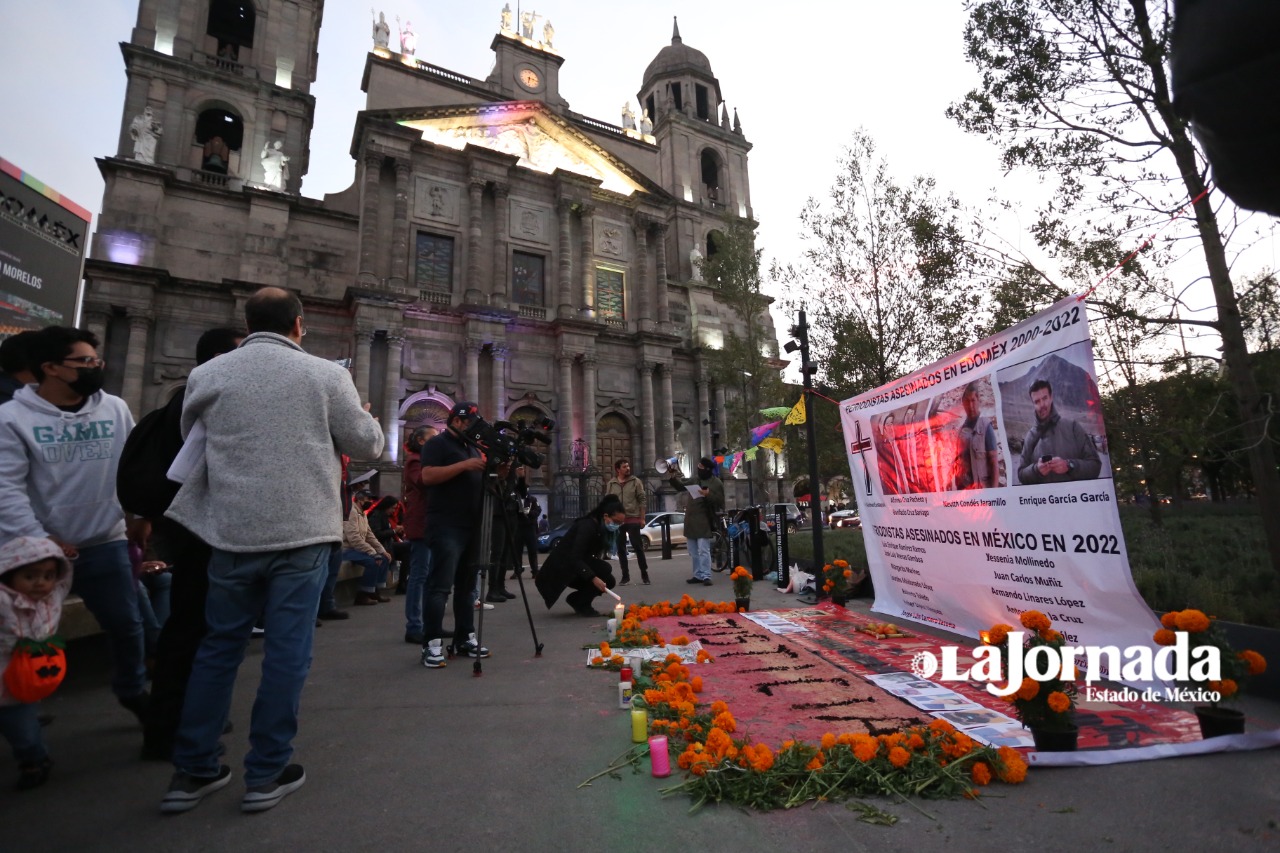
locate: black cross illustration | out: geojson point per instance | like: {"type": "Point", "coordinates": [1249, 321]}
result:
{"type": "Point", "coordinates": [860, 446]}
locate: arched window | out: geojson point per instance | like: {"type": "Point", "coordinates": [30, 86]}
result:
{"type": "Point", "coordinates": [231, 23]}
{"type": "Point", "coordinates": [218, 133]}
{"type": "Point", "coordinates": [710, 162]}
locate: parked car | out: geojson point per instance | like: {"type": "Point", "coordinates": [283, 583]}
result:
{"type": "Point", "coordinates": [795, 518]}
{"type": "Point", "coordinates": [548, 540]}
{"type": "Point", "coordinates": [651, 533]}
{"type": "Point", "coordinates": [845, 518]}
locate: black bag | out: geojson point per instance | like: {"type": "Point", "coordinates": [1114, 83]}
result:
{"type": "Point", "coordinates": [141, 485]}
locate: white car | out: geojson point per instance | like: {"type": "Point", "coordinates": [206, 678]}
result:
{"type": "Point", "coordinates": [651, 533]}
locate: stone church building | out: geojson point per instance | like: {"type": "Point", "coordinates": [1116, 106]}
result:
{"type": "Point", "coordinates": [494, 245]}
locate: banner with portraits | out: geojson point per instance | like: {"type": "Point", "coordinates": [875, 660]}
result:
{"type": "Point", "coordinates": [984, 486]}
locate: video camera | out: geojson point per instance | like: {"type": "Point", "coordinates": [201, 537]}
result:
{"type": "Point", "coordinates": [503, 441]}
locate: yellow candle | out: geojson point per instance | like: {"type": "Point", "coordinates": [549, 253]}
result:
{"type": "Point", "coordinates": [639, 725]}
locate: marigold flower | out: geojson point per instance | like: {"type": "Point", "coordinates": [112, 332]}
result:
{"type": "Point", "coordinates": [848, 573]}
{"type": "Point", "coordinates": [844, 564]}
{"type": "Point", "coordinates": [866, 749]}
{"type": "Point", "coordinates": [941, 726]}
{"type": "Point", "coordinates": [828, 740]}
{"type": "Point", "coordinates": [914, 741]}
{"type": "Point", "coordinates": [1170, 619]}
{"type": "Point", "coordinates": [704, 656]}
{"type": "Point", "coordinates": [605, 651]}
{"type": "Point", "coordinates": [1030, 687]}
{"type": "Point", "coordinates": [998, 633]}
{"type": "Point", "coordinates": [899, 757]}
{"type": "Point", "coordinates": [1034, 620]}
{"type": "Point", "coordinates": [1059, 702]}
{"type": "Point", "coordinates": [1255, 663]}
{"type": "Point", "coordinates": [696, 684]}
{"type": "Point", "coordinates": [718, 707]}
{"type": "Point", "coordinates": [1165, 637]}
{"type": "Point", "coordinates": [725, 721]}
{"type": "Point", "coordinates": [680, 641]}
{"type": "Point", "coordinates": [1192, 621]}
{"type": "Point", "coordinates": [816, 762]}
{"type": "Point", "coordinates": [1050, 636]}
{"type": "Point", "coordinates": [759, 757]}
{"type": "Point", "coordinates": [1010, 768]}
{"type": "Point", "coordinates": [1227, 687]}
{"type": "Point", "coordinates": [981, 773]}
{"type": "Point", "coordinates": [787, 744]}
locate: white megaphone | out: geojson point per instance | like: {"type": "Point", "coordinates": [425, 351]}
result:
{"type": "Point", "coordinates": [667, 466]}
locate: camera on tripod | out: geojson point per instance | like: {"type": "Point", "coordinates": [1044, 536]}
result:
{"type": "Point", "coordinates": [503, 441]}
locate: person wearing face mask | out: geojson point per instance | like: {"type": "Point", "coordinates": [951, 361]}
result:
{"type": "Point", "coordinates": [700, 516]}
{"type": "Point", "coordinates": [577, 560]}
{"type": "Point", "coordinates": [60, 440]}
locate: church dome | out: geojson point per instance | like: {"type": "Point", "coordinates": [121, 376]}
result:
{"type": "Point", "coordinates": [676, 58]}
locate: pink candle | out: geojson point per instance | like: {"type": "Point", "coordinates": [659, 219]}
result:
{"type": "Point", "coordinates": [659, 758]}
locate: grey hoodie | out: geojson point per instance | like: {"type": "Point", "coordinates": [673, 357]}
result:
{"type": "Point", "coordinates": [276, 419]}
{"type": "Point", "coordinates": [58, 469]}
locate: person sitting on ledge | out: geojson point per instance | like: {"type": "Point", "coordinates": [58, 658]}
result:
{"type": "Point", "coordinates": [576, 561]}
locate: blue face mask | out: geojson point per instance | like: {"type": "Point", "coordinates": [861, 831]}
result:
{"type": "Point", "coordinates": [611, 526]}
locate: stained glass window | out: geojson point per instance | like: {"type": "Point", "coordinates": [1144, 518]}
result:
{"type": "Point", "coordinates": [528, 279]}
{"type": "Point", "coordinates": [609, 301]}
{"type": "Point", "coordinates": [433, 263]}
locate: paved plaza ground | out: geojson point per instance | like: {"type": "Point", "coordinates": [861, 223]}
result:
{"type": "Point", "coordinates": [403, 758]}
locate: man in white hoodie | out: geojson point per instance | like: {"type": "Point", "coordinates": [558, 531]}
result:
{"type": "Point", "coordinates": [60, 441]}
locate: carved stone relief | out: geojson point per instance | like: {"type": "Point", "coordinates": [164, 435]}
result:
{"type": "Point", "coordinates": [435, 199]}
{"type": "Point", "coordinates": [529, 222]}
{"type": "Point", "coordinates": [422, 359]}
{"type": "Point", "coordinates": [610, 238]}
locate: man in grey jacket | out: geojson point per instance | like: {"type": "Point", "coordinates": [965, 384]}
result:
{"type": "Point", "coordinates": [264, 496]}
{"type": "Point", "coordinates": [1056, 449]}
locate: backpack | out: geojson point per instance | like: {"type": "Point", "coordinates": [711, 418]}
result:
{"type": "Point", "coordinates": [141, 485]}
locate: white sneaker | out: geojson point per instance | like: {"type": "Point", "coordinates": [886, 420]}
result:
{"type": "Point", "coordinates": [433, 655]}
{"type": "Point", "coordinates": [481, 604]}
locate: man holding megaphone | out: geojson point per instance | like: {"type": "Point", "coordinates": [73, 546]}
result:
{"type": "Point", "coordinates": [630, 491]}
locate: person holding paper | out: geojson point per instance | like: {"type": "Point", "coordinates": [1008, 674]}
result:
{"type": "Point", "coordinates": [706, 499]}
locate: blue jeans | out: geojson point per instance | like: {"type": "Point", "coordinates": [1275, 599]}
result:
{"type": "Point", "coordinates": [284, 586]}
{"type": "Point", "coordinates": [327, 601]}
{"type": "Point", "coordinates": [700, 552]}
{"type": "Point", "coordinates": [453, 567]}
{"type": "Point", "coordinates": [20, 725]}
{"type": "Point", "coordinates": [375, 568]}
{"type": "Point", "coordinates": [415, 597]}
{"type": "Point", "coordinates": [103, 578]}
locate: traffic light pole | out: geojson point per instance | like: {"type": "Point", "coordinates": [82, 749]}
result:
{"type": "Point", "coordinates": [801, 331]}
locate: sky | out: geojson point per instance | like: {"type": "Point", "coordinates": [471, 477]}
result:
{"type": "Point", "coordinates": [803, 77]}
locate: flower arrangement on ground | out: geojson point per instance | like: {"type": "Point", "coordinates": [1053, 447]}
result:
{"type": "Point", "coordinates": [741, 582]}
{"type": "Point", "coordinates": [837, 579]}
{"type": "Point", "coordinates": [1234, 667]}
{"type": "Point", "coordinates": [1045, 703]}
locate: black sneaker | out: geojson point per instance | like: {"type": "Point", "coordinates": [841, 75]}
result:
{"type": "Point", "coordinates": [694, 580]}
{"type": "Point", "coordinates": [625, 582]}
{"type": "Point", "coordinates": [186, 791]}
{"type": "Point", "coordinates": [138, 705]}
{"type": "Point", "coordinates": [469, 648]}
{"type": "Point", "coordinates": [259, 798]}
{"type": "Point", "coordinates": [508, 594]}
{"type": "Point", "coordinates": [707, 582]}
{"type": "Point", "coordinates": [495, 598]}
{"type": "Point", "coordinates": [335, 614]}
{"type": "Point", "coordinates": [645, 580]}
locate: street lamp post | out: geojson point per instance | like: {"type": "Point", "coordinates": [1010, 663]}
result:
{"type": "Point", "coordinates": [801, 331]}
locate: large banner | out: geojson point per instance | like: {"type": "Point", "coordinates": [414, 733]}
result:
{"type": "Point", "coordinates": [984, 486]}
{"type": "Point", "coordinates": [42, 245]}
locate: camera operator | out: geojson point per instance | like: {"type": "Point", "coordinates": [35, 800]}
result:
{"type": "Point", "coordinates": [453, 477]}
{"type": "Point", "coordinates": [576, 562]}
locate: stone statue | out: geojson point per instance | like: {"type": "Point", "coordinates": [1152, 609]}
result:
{"type": "Point", "coordinates": [646, 123]}
{"type": "Point", "coordinates": [381, 31]}
{"type": "Point", "coordinates": [408, 38]}
{"type": "Point", "coordinates": [548, 33]}
{"type": "Point", "coordinates": [145, 131]}
{"type": "Point", "coordinates": [275, 165]}
{"type": "Point", "coordinates": [506, 19]}
{"type": "Point", "coordinates": [695, 262]}
{"type": "Point", "coordinates": [628, 117]}
{"type": "Point", "coordinates": [526, 24]}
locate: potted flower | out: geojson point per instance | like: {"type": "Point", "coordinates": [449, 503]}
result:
{"type": "Point", "coordinates": [1046, 705]}
{"type": "Point", "coordinates": [837, 581]}
{"type": "Point", "coordinates": [1234, 667]}
{"type": "Point", "coordinates": [741, 588]}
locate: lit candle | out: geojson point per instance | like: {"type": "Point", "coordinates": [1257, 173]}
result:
{"type": "Point", "coordinates": [659, 759]}
{"type": "Point", "coordinates": [639, 725]}
{"type": "Point", "coordinates": [619, 612]}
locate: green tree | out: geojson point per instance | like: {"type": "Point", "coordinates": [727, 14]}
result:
{"type": "Point", "coordinates": [1078, 90]}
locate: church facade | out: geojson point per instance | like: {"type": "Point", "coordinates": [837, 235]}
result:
{"type": "Point", "coordinates": [493, 246]}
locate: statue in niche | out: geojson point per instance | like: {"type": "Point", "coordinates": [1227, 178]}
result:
{"type": "Point", "coordinates": [526, 24]}
{"type": "Point", "coordinates": [695, 262]}
{"type": "Point", "coordinates": [646, 124]}
{"type": "Point", "coordinates": [548, 33]}
{"type": "Point", "coordinates": [436, 193]}
{"type": "Point", "coordinates": [628, 117]}
{"type": "Point", "coordinates": [408, 38]}
{"type": "Point", "coordinates": [506, 19]}
{"type": "Point", "coordinates": [216, 156]}
{"type": "Point", "coordinates": [381, 30]}
{"type": "Point", "coordinates": [145, 131]}
{"type": "Point", "coordinates": [275, 165]}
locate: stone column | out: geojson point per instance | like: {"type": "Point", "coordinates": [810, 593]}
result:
{"type": "Point", "coordinates": [704, 408]}
{"type": "Point", "coordinates": [369, 218]}
{"type": "Point", "coordinates": [589, 419]}
{"type": "Point", "coordinates": [667, 416]}
{"type": "Point", "coordinates": [588, 264]}
{"type": "Point", "coordinates": [646, 416]}
{"type": "Point", "coordinates": [565, 395]}
{"type": "Point", "coordinates": [391, 398]}
{"type": "Point", "coordinates": [644, 309]}
{"type": "Point", "coordinates": [364, 345]}
{"type": "Point", "coordinates": [663, 309]}
{"type": "Point", "coordinates": [400, 226]}
{"type": "Point", "coordinates": [565, 298]}
{"type": "Point", "coordinates": [96, 322]}
{"type": "Point", "coordinates": [720, 421]}
{"type": "Point", "coordinates": [471, 378]}
{"type": "Point", "coordinates": [135, 360]}
{"type": "Point", "coordinates": [501, 268]}
{"type": "Point", "coordinates": [499, 381]}
{"type": "Point", "coordinates": [475, 289]}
